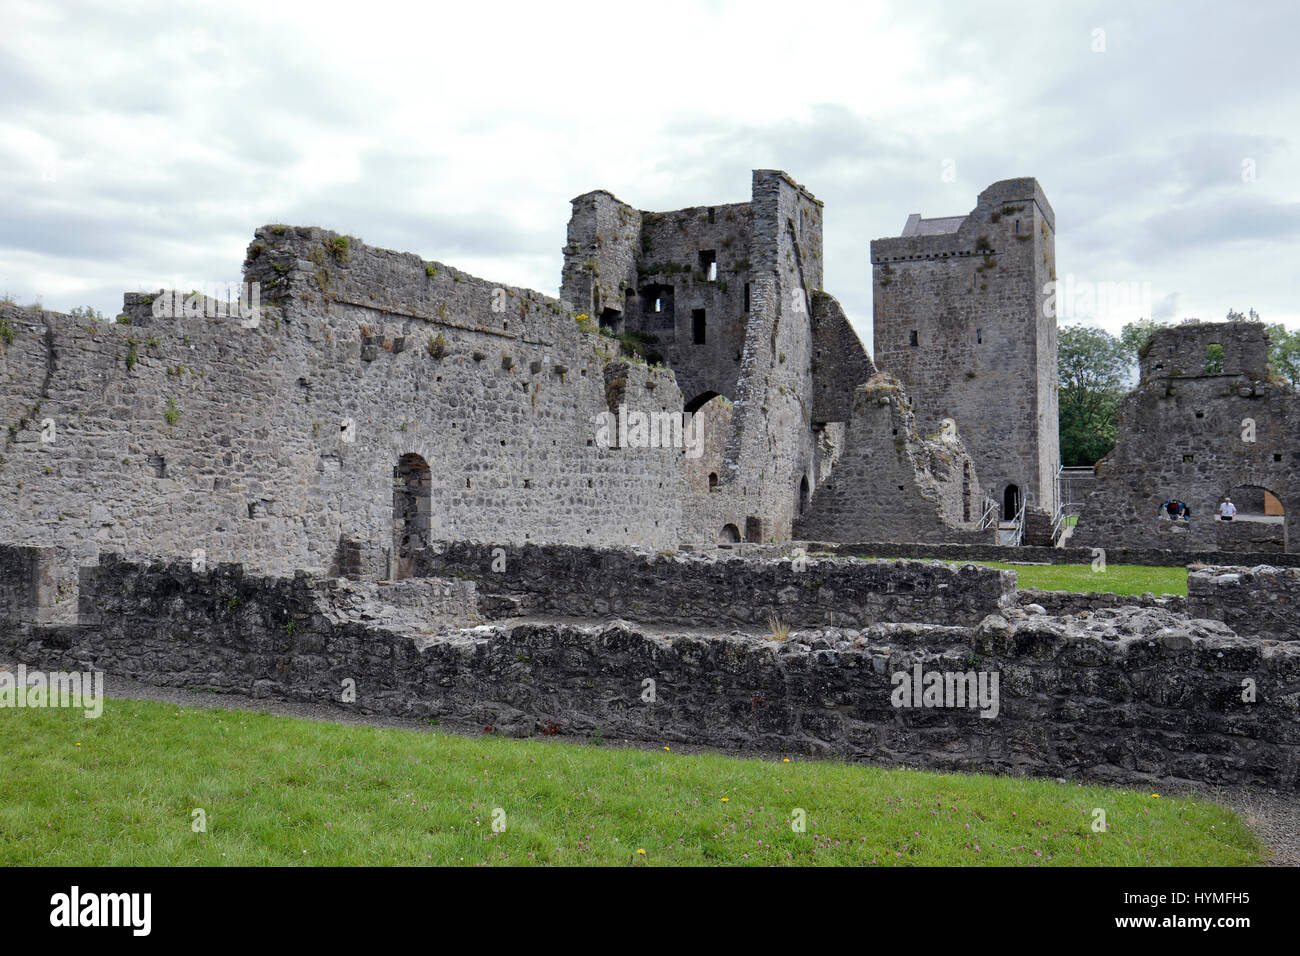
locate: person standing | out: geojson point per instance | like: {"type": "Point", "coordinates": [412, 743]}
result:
{"type": "Point", "coordinates": [1227, 510]}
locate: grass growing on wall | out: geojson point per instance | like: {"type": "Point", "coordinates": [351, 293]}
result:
{"type": "Point", "coordinates": [122, 790]}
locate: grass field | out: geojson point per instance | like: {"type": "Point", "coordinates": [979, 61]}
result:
{"type": "Point", "coordinates": [123, 790]}
{"type": "Point", "coordinates": [1116, 579]}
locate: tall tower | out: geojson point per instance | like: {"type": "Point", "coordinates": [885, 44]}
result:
{"type": "Point", "coordinates": [963, 319]}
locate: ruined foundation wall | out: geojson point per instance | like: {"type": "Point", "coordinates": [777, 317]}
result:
{"type": "Point", "coordinates": [1160, 702]}
{"type": "Point", "coordinates": [1261, 601]}
{"type": "Point", "coordinates": [722, 592]}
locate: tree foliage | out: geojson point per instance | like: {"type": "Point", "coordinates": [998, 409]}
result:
{"type": "Point", "coordinates": [1091, 366]}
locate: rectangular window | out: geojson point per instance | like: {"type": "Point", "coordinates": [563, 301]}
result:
{"type": "Point", "coordinates": [912, 341]}
{"type": "Point", "coordinates": [979, 336]}
{"type": "Point", "coordinates": [709, 264]}
{"type": "Point", "coordinates": [697, 326]}
{"type": "Point", "coordinates": [746, 296]}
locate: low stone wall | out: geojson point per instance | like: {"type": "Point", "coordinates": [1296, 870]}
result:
{"type": "Point", "coordinates": [1071, 602]}
{"type": "Point", "coordinates": [1154, 697]}
{"type": "Point", "coordinates": [1262, 601]}
{"type": "Point", "coordinates": [720, 592]}
{"type": "Point", "coordinates": [1032, 555]}
{"type": "Point", "coordinates": [225, 599]}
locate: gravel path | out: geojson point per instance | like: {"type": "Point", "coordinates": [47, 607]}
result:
{"type": "Point", "coordinates": [1273, 816]}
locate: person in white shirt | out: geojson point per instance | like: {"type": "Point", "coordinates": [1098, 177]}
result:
{"type": "Point", "coordinates": [1227, 510]}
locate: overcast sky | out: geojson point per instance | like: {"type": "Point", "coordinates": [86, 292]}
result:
{"type": "Point", "coordinates": [142, 143]}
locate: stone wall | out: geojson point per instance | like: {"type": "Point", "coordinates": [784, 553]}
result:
{"type": "Point", "coordinates": [840, 363]}
{"type": "Point", "coordinates": [1085, 602]}
{"type": "Point", "coordinates": [1120, 698]}
{"type": "Point", "coordinates": [270, 444]}
{"type": "Point", "coordinates": [727, 296]}
{"type": "Point", "coordinates": [29, 586]}
{"type": "Point", "coordinates": [721, 592]}
{"type": "Point", "coordinates": [962, 318]}
{"type": "Point", "coordinates": [892, 484]}
{"type": "Point", "coordinates": [1155, 557]}
{"type": "Point", "coordinates": [1196, 432]}
{"type": "Point", "coordinates": [1262, 601]}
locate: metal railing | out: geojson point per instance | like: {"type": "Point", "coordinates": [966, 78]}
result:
{"type": "Point", "coordinates": [989, 519]}
{"type": "Point", "coordinates": [1058, 524]}
{"type": "Point", "coordinates": [1018, 536]}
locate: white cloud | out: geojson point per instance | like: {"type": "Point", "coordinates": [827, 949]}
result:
{"type": "Point", "coordinates": [151, 143]}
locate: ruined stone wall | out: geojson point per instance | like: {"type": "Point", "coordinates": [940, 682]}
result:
{"type": "Point", "coordinates": [1120, 700]}
{"type": "Point", "coordinates": [184, 433]}
{"type": "Point", "coordinates": [36, 585]}
{"type": "Point", "coordinates": [1183, 434]}
{"type": "Point", "coordinates": [891, 484]}
{"type": "Point", "coordinates": [1262, 601]}
{"type": "Point", "coordinates": [755, 319]}
{"type": "Point", "coordinates": [840, 363]}
{"type": "Point", "coordinates": [720, 592]}
{"type": "Point", "coordinates": [1086, 602]}
{"type": "Point", "coordinates": [985, 339]}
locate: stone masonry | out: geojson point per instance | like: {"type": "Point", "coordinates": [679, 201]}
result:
{"type": "Point", "coordinates": [1124, 694]}
{"type": "Point", "coordinates": [1205, 420]}
{"type": "Point", "coordinates": [381, 402]}
{"type": "Point", "coordinates": [963, 318]}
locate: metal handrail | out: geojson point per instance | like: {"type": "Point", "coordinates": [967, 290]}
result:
{"type": "Point", "coordinates": [989, 518]}
{"type": "Point", "coordinates": [1019, 536]}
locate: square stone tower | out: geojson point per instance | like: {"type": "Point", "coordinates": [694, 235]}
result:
{"type": "Point", "coordinates": [962, 319]}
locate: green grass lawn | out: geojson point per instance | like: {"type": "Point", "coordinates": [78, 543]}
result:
{"type": "Point", "coordinates": [121, 790]}
{"type": "Point", "coordinates": [1116, 579]}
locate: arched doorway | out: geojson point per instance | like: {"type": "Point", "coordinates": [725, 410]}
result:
{"type": "Point", "coordinates": [730, 534]}
{"type": "Point", "coordinates": [1010, 502]}
{"type": "Point", "coordinates": [699, 401]}
{"type": "Point", "coordinates": [412, 487]}
{"type": "Point", "coordinates": [803, 495]}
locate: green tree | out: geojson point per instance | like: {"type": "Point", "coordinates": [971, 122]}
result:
{"type": "Point", "coordinates": [1284, 353]}
{"type": "Point", "coordinates": [1091, 367]}
{"type": "Point", "coordinates": [1134, 338]}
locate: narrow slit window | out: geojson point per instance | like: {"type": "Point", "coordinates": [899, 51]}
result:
{"type": "Point", "coordinates": [912, 339]}
{"type": "Point", "coordinates": [697, 326]}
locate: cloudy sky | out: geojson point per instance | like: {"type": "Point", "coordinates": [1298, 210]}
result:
{"type": "Point", "coordinates": [141, 143]}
